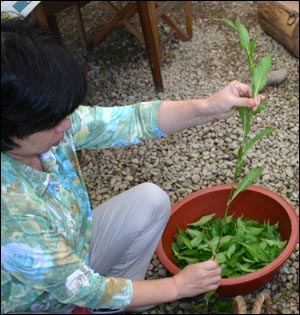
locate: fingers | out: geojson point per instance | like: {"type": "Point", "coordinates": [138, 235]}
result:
{"type": "Point", "coordinates": [198, 278]}
{"type": "Point", "coordinates": [252, 103]}
{"type": "Point", "coordinates": [243, 89]}
{"type": "Point", "coordinates": [243, 92]}
{"type": "Point", "coordinates": [211, 264]}
{"type": "Point", "coordinates": [211, 270]}
{"type": "Point", "coordinates": [259, 98]}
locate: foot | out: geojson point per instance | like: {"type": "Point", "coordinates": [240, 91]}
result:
{"type": "Point", "coordinates": [276, 77]}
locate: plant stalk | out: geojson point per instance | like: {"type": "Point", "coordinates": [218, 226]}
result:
{"type": "Point", "coordinates": [225, 213]}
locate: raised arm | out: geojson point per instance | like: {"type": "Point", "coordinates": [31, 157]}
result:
{"type": "Point", "coordinates": [175, 116]}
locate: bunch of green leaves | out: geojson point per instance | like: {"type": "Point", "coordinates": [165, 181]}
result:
{"type": "Point", "coordinates": [246, 245]}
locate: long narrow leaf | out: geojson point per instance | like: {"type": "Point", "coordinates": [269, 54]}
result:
{"type": "Point", "coordinates": [251, 54]}
{"type": "Point", "coordinates": [252, 47]}
{"type": "Point", "coordinates": [229, 23]}
{"type": "Point", "coordinates": [248, 180]}
{"type": "Point", "coordinates": [256, 138]}
{"type": "Point", "coordinates": [184, 240]}
{"type": "Point", "coordinates": [244, 36]}
{"type": "Point", "coordinates": [245, 118]}
{"type": "Point", "coordinates": [203, 220]}
{"type": "Point", "coordinates": [260, 108]}
{"type": "Point", "coordinates": [260, 74]}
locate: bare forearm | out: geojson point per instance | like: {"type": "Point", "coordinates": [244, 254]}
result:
{"type": "Point", "coordinates": [175, 116]}
{"type": "Point", "coordinates": [148, 292]}
{"type": "Point", "coordinates": [193, 280]}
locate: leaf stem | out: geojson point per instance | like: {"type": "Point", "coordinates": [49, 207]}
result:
{"type": "Point", "coordinates": [229, 200]}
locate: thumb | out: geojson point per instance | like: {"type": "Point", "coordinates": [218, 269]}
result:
{"type": "Point", "coordinates": [250, 102]}
{"type": "Point", "coordinates": [247, 102]}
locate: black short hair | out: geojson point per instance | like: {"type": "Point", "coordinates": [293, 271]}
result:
{"type": "Point", "coordinates": [41, 82]}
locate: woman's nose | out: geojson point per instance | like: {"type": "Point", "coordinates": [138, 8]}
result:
{"type": "Point", "coordinates": [64, 125]}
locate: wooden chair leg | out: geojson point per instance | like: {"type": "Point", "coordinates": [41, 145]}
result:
{"type": "Point", "coordinates": [82, 34]}
{"type": "Point", "coordinates": [148, 21]}
{"type": "Point", "coordinates": [188, 18]}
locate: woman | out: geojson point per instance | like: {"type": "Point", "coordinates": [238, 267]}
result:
{"type": "Point", "coordinates": [56, 252]}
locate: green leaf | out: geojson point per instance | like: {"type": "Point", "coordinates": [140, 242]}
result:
{"type": "Point", "coordinates": [245, 268]}
{"type": "Point", "coordinates": [256, 252]}
{"type": "Point", "coordinates": [240, 226]}
{"type": "Point", "coordinates": [252, 47]}
{"type": "Point", "coordinates": [250, 56]}
{"type": "Point", "coordinates": [204, 247]}
{"type": "Point", "coordinates": [193, 233]}
{"type": "Point", "coordinates": [203, 220]}
{"type": "Point", "coordinates": [188, 260]}
{"type": "Point", "coordinates": [260, 74]}
{"type": "Point", "coordinates": [213, 242]}
{"type": "Point", "coordinates": [208, 296]}
{"type": "Point", "coordinates": [244, 37]}
{"type": "Point", "coordinates": [225, 240]}
{"type": "Point", "coordinates": [254, 230]}
{"type": "Point", "coordinates": [249, 260]}
{"type": "Point", "coordinates": [189, 252]}
{"type": "Point", "coordinates": [260, 107]}
{"type": "Point", "coordinates": [248, 180]}
{"type": "Point", "coordinates": [230, 250]}
{"type": "Point", "coordinates": [197, 240]}
{"type": "Point", "coordinates": [180, 231]}
{"type": "Point", "coordinates": [184, 240]}
{"type": "Point", "coordinates": [279, 244]}
{"type": "Point", "coordinates": [256, 138]}
{"type": "Point", "coordinates": [245, 118]}
{"type": "Point", "coordinates": [221, 258]}
{"type": "Point", "coordinates": [229, 23]}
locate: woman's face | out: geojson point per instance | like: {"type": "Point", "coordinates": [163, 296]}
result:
{"type": "Point", "coordinates": [40, 142]}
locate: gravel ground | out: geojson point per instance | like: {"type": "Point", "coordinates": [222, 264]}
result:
{"type": "Point", "coordinates": [119, 73]}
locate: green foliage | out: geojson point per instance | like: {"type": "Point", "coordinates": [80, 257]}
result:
{"type": "Point", "coordinates": [246, 245]}
{"type": "Point", "coordinates": [259, 74]}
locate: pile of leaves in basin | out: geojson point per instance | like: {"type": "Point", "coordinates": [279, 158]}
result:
{"type": "Point", "coordinates": [246, 246]}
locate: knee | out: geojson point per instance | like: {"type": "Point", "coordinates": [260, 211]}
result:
{"type": "Point", "coordinates": [156, 198]}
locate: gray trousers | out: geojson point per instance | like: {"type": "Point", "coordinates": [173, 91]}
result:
{"type": "Point", "coordinates": [126, 231]}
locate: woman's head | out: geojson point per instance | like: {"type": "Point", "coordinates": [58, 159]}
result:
{"type": "Point", "coordinates": [41, 83]}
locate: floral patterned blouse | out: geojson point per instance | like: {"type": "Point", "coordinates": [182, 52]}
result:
{"type": "Point", "coordinates": [46, 216]}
